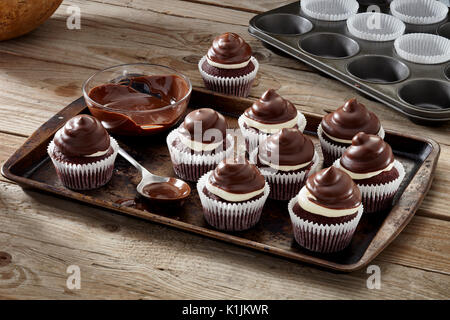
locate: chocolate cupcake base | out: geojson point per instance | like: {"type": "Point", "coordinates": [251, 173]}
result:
{"type": "Point", "coordinates": [229, 216]}
{"type": "Point", "coordinates": [378, 196]}
{"type": "Point", "coordinates": [84, 176]}
{"type": "Point", "coordinates": [253, 138]}
{"type": "Point", "coordinates": [191, 167]}
{"type": "Point", "coordinates": [323, 238]}
{"type": "Point", "coordinates": [237, 86]}
{"type": "Point", "coordinates": [286, 185]}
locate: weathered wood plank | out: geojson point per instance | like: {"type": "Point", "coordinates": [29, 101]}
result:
{"type": "Point", "coordinates": [248, 6]}
{"type": "Point", "coordinates": [121, 257]}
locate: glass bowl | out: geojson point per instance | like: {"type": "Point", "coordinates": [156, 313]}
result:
{"type": "Point", "coordinates": [137, 99]}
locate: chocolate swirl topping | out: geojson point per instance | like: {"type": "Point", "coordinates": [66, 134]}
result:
{"type": "Point", "coordinates": [229, 48]}
{"type": "Point", "coordinates": [82, 135]}
{"type": "Point", "coordinates": [236, 176]}
{"type": "Point", "coordinates": [368, 153]}
{"type": "Point", "coordinates": [333, 188]}
{"type": "Point", "coordinates": [210, 124]}
{"type": "Point", "coordinates": [348, 120]}
{"type": "Point", "coordinates": [290, 146]}
{"type": "Point", "coordinates": [271, 108]}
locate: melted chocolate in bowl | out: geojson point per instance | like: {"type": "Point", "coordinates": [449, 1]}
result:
{"type": "Point", "coordinates": [136, 104]}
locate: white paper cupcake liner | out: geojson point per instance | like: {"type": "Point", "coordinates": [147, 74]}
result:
{"type": "Point", "coordinates": [379, 197]}
{"type": "Point", "coordinates": [374, 26]}
{"type": "Point", "coordinates": [423, 48]}
{"type": "Point", "coordinates": [322, 238]}
{"type": "Point", "coordinates": [252, 139]}
{"type": "Point", "coordinates": [230, 216]}
{"type": "Point", "coordinates": [329, 10]}
{"type": "Point", "coordinates": [84, 176]}
{"type": "Point", "coordinates": [419, 11]}
{"type": "Point", "coordinates": [236, 86]}
{"type": "Point", "coordinates": [191, 167]}
{"type": "Point", "coordinates": [285, 185]}
{"type": "Point", "coordinates": [331, 151]}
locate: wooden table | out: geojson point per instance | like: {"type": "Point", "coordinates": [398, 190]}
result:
{"type": "Point", "coordinates": [121, 257]}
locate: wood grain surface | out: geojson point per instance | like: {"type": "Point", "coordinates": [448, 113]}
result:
{"type": "Point", "coordinates": [121, 257]}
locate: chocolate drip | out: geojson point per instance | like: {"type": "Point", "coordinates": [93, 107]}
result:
{"type": "Point", "coordinates": [348, 120]}
{"type": "Point", "coordinates": [210, 124]}
{"type": "Point", "coordinates": [271, 108]}
{"type": "Point", "coordinates": [368, 153]}
{"type": "Point", "coordinates": [237, 177]}
{"type": "Point", "coordinates": [287, 147]}
{"type": "Point", "coordinates": [333, 188]}
{"type": "Point", "coordinates": [81, 136]}
{"type": "Point", "coordinates": [229, 48]}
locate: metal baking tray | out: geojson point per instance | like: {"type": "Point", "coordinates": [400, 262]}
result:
{"type": "Point", "coordinates": [419, 91]}
{"type": "Point", "coordinates": [30, 166]}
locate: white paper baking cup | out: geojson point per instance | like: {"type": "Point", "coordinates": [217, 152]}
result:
{"type": "Point", "coordinates": [419, 11]}
{"type": "Point", "coordinates": [285, 185]}
{"type": "Point", "coordinates": [191, 167]}
{"type": "Point", "coordinates": [322, 238]}
{"type": "Point", "coordinates": [231, 216]}
{"type": "Point", "coordinates": [378, 197]}
{"type": "Point", "coordinates": [423, 48]}
{"type": "Point", "coordinates": [374, 26]}
{"type": "Point", "coordinates": [85, 176]}
{"type": "Point", "coordinates": [329, 10]}
{"type": "Point", "coordinates": [252, 139]}
{"type": "Point", "coordinates": [236, 86]}
{"type": "Point", "coordinates": [332, 151]}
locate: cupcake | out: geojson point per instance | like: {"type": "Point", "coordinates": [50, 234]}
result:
{"type": "Point", "coordinates": [267, 116]}
{"type": "Point", "coordinates": [369, 161]}
{"type": "Point", "coordinates": [199, 144]}
{"type": "Point", "coordinates": [337, 129]}
{"type": "Point", "coordinates": [326, 211]}
{"type": "Point", "coordinates": [229, 66]}
{"type": "Point", "coordinates": [286, 159]}
{"type": "Point", "coordinates": [233, 195]}
{"type": "Point", "coordinates": [83, 153]}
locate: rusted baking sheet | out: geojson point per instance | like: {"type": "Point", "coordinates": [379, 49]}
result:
{"type": "Point", "coordinates": [30, 167]}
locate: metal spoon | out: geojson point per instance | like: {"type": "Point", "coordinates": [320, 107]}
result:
{"type": "Point", "coordinates": [158, 188]}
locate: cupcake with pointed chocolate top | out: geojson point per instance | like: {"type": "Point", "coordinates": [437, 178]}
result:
{"type": "Point", "coordinates": [338, 128]}
{"type": "Point", "coordinates": [267, 116]}
{"type": "Point", "coordinates": [326, 211]}
{"type": "Point", "coordinates": [199, 143]}
{"type": "Point", "coordinates": [369, 161]}
{"type": "Point", "coordinates": [286, 159]}
{"type": "Point", "coordinates": [229, 66]}
{"type": "Point", "coordinates": [233, 195]}
{"type": "Point", "coordinates": [83, 153]}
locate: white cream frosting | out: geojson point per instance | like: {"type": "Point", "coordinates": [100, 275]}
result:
{"type": "Point", "coordinates": [366, 175]}
{"type": "Point", "coordinates": [304, 201]}
{"type": "Point", "coordinates": [284, 167]}
{"type": "Point", "coordinates": [270, 128]}
{"type": "Point", "coordinates": [198, 146]}
{"type": "Point", "coordinates": [97, 154]}
{"type": "Point", "coordinates": [232, 197]}
{"type": "Point", "coordinates": [228, 66]}
{"type": "Point", "coordinates": [349, 141]}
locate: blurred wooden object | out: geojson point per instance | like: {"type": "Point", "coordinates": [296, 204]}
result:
{"type": "Point", "coordinates": [18, 17]}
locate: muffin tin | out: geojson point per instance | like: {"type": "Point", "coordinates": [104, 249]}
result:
{"type": "Point", "coordinates": [30, 166]}
{"type": "Point", "coordinates": [419, 91]}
